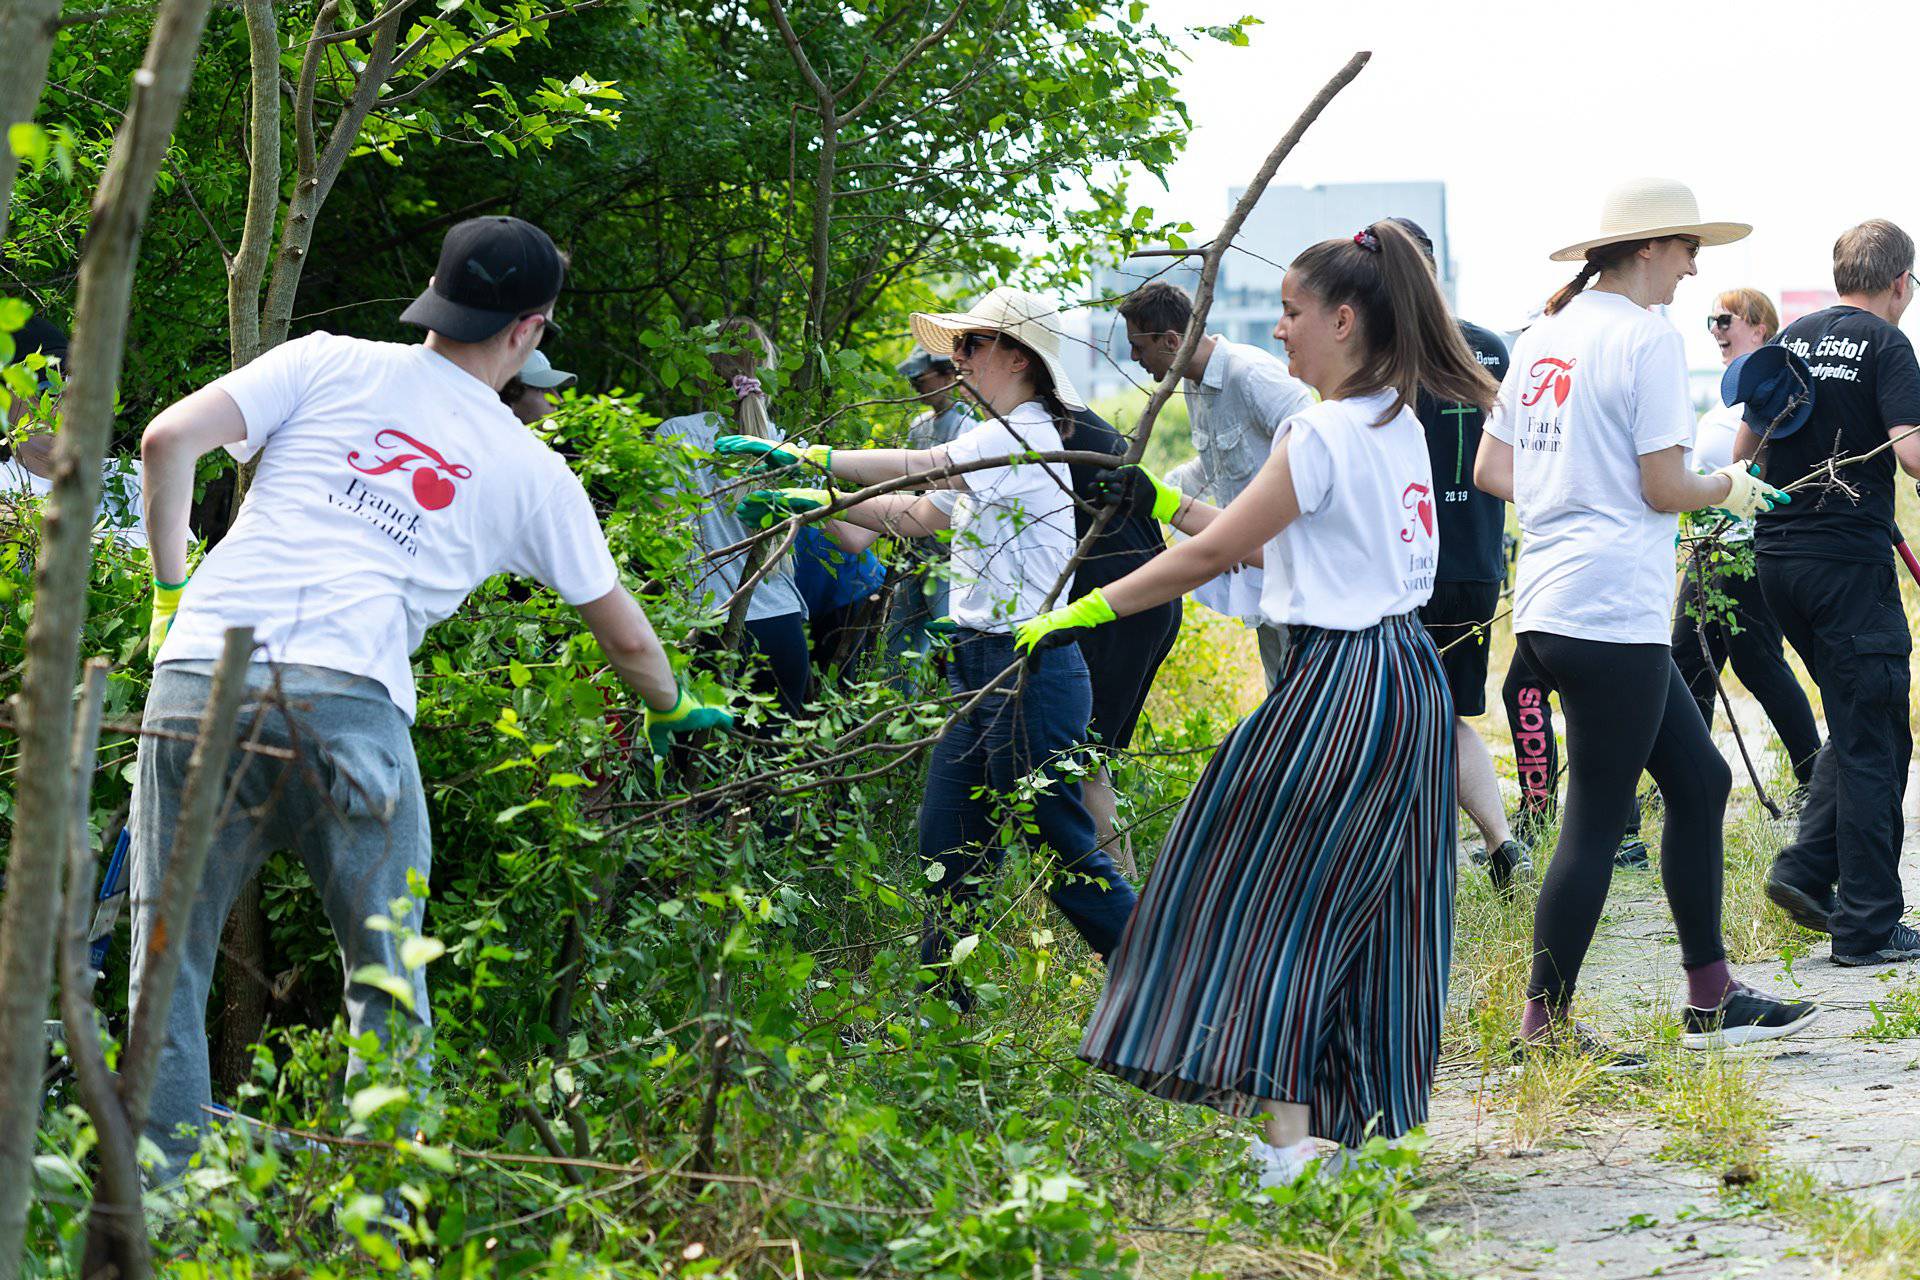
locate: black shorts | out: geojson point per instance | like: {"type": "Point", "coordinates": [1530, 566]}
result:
{"type": "Point", "coordinates": [1122, 658]}
{"type": "Point", "coordinates": [1460, 611]}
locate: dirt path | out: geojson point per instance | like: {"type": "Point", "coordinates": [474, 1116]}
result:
{"type": "Point", "coordinates": [1599, 1201]}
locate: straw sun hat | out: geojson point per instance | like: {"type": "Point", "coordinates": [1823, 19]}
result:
{"type": "Point", "coordinates": [1027, 318]}
{"type": "Point", "coordinates": [1647, 209]}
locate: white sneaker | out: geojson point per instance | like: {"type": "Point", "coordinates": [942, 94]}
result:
{"type": "Point", "coordinates": [1282, 1166]}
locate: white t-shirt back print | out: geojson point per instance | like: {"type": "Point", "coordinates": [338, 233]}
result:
{"type": "Point", "coordinates": [391, 483]}
{"type": "Point", "coordinates": [1365, 545]}
{"type": "Point", "coordinates": [1589, 391]}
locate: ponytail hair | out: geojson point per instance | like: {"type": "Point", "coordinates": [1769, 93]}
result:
{"type": "Point", "coordinates": [1602, 258]}
{"type": "Point", "coordinates": [744, 354]}
{"type": "Point", "coordinates": [1412, 341]}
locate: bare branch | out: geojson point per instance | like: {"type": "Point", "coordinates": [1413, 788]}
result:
{"type": "Point", "coordinates": [907, 59]}
{"type": "Point", "coordinates": [187, 862]}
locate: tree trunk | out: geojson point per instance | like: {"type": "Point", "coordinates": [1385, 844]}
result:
{"type": "Point", "coordinates": [27, 28]}
{"type": "Point", "coordinates": [243, 990]}
{"type": "Point", "coordinates": [249, 266]}
{"type": "Point", "coordinates": [43, 808]}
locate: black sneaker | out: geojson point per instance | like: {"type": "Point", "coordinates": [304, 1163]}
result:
{"type": "Point", "coordinates": [1745, 1016]}
{"type": "Point", "coordinates": [1632, 853]}
{"type": "Point", "coordinates": [1801, 907]}
{"type": "Point", "coordinates": [1902, 944]}
{"type": "Point", "coordinates": [1510, 863]}
{"type": "Point", "coordinates": [1579, 1038]}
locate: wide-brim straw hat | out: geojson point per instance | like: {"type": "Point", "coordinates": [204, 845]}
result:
{"type": "Point", "coordinates": [1648, 209]}
{"type": "Point", "coordinates": [1027, 318]}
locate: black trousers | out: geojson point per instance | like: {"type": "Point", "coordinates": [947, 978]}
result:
{"type": "Point", "coordinates": [1627, 710]}
{"type": "Point", "coordinates": [1757, 658]}
{"type": "Point", "coordinates": [1536, 756]}
{"type": "Point", "coordinates": [1844, 620]}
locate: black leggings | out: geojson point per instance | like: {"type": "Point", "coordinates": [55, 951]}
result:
{"type": "Point", "coordinates": [1757, 659]}
{"type": "Point", "coordinates": [1627, 709]}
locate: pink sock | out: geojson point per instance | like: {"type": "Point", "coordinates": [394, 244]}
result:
{"type": "Point", "coordinates": [1534, 1019]}
{"type": "Point", "coordinates": [1708, 985]}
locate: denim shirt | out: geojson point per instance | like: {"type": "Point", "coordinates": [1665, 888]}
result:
{"type": "Point", "coordinates": [716, 526]}
{"type": "Point", "coordinates": [1243, 396]}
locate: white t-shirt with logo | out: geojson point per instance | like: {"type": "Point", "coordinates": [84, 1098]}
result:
{"type": "Point", "coordinates": [391, 483]}
{"type": "Point", "coordinates": [1588, 392]}
{"type": "Point", "coordinates": [1365, 546]}
{"type": "Point", "coordinates": [1013, 526]}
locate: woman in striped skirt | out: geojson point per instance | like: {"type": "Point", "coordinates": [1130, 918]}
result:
{"type": "Point", "coordinates": [1289, 955]}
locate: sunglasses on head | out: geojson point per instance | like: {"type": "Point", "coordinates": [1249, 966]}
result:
{"type": "Point", "coordinates": [1715, 323]}
{"type": "Point", "coordinates": [967, 343]}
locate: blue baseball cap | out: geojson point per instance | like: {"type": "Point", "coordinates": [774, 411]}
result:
{"type": "Point", "coordinates": [1770, 382]}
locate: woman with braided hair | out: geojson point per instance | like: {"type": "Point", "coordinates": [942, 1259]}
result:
{"type": "Point", "coordinates": [1590, 443]}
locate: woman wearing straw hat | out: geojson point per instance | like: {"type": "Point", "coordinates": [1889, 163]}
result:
{"type": "Point", "coordinates": [1289, 957]}
{"type": "Point", "coordinates": [1012, 541]}
{"type": "Point", "coordinates": [1742, 321]}
{"type": "Point", "coordinates": [1589, 441]}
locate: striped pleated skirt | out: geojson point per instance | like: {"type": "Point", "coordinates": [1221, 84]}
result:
{"type": "Point", "coordinates": [1292, 941]}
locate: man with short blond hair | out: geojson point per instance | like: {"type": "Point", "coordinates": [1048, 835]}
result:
{"type": "Point", "coordinates": [1826, 568]}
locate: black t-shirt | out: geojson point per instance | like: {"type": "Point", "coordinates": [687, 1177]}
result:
{"type": "Point", "coordinates": [1125, 544]}
{"type": "Point", "coordinates": [1471, 521]}
{"type": "Point", "coordinates": [1865, 384]}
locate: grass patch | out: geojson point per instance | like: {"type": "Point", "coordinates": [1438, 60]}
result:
{"type": "Point", "coordinates": [1895, 1018]}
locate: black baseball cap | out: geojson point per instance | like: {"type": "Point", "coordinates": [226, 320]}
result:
{"type": "Point", "coordinates": [492, 271]}
{"type": "Point", "coordinates": [1419, 234]}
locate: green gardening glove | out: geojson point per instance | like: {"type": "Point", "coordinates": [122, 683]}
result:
{"type": "Point", "coordinates": [687, 715]}
{"type": "Point", "coordinates": [764, 506]}
{"type": "Point", "coordinates": [1136, 491]}
{"type": "Point", "coordinates": [166, 603]}
{"type": "Point", "coordinates": [1090, 610]}
{"type": "Point", "coordinates": [772, 453]}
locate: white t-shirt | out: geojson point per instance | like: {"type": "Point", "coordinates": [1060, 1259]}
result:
{"type": "Point", "coordinates": [120, 517]}
{"type": "Point", "coordinates": [1365, 545]}
{"type": "Point", "coordinates": [1588, 392]}
{"type": "Point", "coordinates": [392, 483]}
{"type": "Point", "coordinates": [1013, 526]}
{"type": "Point", "coordinates": [1713, 448]}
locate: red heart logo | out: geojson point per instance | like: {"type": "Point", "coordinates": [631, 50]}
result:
{"type": "Point", "coordinates": [1426, 514]}
{"type": "Point", "coordinates": [431, 489]}
{"type": "Point", "coordinates": [1562, 388]}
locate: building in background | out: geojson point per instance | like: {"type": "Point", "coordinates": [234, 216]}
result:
{"type": "Point", "coordinates": [1246, 302]}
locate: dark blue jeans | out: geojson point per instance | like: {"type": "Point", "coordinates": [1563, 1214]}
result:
{"type": "Point", "coordinates": [975, 769]}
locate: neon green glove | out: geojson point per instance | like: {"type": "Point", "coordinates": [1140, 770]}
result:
{"type": "Point", "coordinates": [166, 603]}
{"type": "Point", "coordinates": [1130, 488]}
{"type": "Point", "coordinates": [1749, 494]}
{"type": "Point", "coordinates": [1090, 610]}
{"type": "Point", "coordinates": [764, 506]}
{"type": "Point", "coordinates": [687, 715]}
{"type": "Point", "coordinates": [774, 454]}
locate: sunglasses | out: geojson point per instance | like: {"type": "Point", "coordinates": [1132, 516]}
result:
{"type": "Point", "coordinates": [967, 343]}
{"type": "Point", "coordinates": [1722, 321]}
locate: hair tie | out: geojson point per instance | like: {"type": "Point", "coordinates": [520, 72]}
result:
{"type": "Point", "coordinates": [745, 384]}
{"type": "Point", "coordinates": [1367, 240]}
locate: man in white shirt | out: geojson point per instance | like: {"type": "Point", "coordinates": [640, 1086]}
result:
{"type": "Point", "coordinates": [392, 480]}
{"type": "Point", "coordinates": [1237, 397]}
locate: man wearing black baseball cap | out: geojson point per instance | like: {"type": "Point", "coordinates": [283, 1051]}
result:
{"type": "Point", "coordinates": [391, 482]}
{"type": "Point", "coordinates": [493, 272]}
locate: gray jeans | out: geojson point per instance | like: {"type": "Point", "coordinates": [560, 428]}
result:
{"type": "Point", "coordinates": [350, 804]}
{"type": "Point", "coordinates": [1274, 643]}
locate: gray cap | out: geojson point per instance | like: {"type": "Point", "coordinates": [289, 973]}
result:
{"type": "Point", "coordinates": [539, 372]}
{"type": "Point", "coordinates": [921, 362]}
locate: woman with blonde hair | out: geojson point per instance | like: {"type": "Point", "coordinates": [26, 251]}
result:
{"type": "Point", "coordinates": [1589, 442]}
{"type": "Point", "coordinates": [1742, 320]}
{"type": "Point", "coordinates": [742, 358]}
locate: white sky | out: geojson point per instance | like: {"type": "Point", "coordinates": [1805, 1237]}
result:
{"type": "Point", "coordinates": [1801, 119]}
